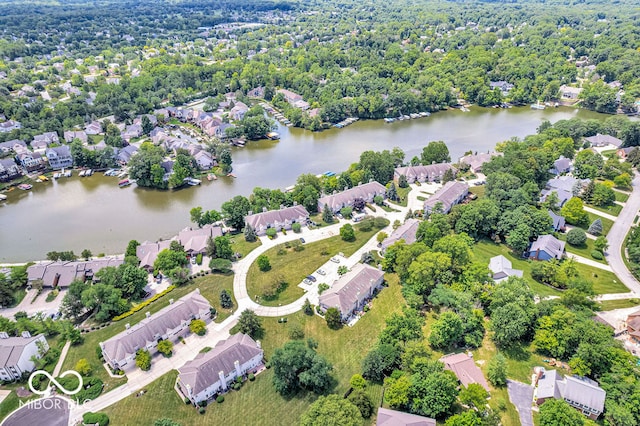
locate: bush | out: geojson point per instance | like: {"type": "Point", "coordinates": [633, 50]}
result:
{"type": "Point", "coordinates": [199, 258]}
{"type": "Point", "coordinates": [198, 327]}
{"type": "Point", "coordinates": [143, 359]}
{"type": "Point", "coordinates": [576, 237]}
{"type": "Point", "coordinates": [296, 332]}
{"type": "Point", "coordinates": [267, 365]}
{"type": "Point", "coordinates": [347, 233]}
{"type": "Point", "coordinates": [201, 410]}
{"type": "Point", "coordinates": [322, 287]}
{"type": "Point", "coordinates": [220, 399]}
{"type": "Point", "coordinates": [597, 255]}
{"type": "Point", "coordinates": [252, 377]}
{"type": "Point", "coordinates": [95, 418]}
{"type": "Point", "coordinates": [296, 227]}
{"type": "Point", "coordinates": [143, 304]}
{"type": "Point", "coordinates": [263, 263]}
{"type": "Point", "coordinates": [271, 232]}
{"type": "Point", "coordinates": [187, 401]}
{"type": "Point", "coordinates": [237, 386]}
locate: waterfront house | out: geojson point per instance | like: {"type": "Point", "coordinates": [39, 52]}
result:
{"type": "Point", "coordinates": [559, 222]}
{"type": "Point", "coordinates": [239, 110]}
{"type": "Point", "coordinates": [132, 131]}
{"type": "Point", "coordinates": [502, 269]}
{"type": "Point", "coordinates": [169, 323]}
{"type": "Point", "coordinates": [81, 135]}
{"type": "Point", "coordinates": [465, 369]}
{"type": "Point", "coordinates": [15, 145]}
{"type": "Point", "coordinates": [568, 92]}
{"type": "Point", "coordinates": [565, 188]}
{"type": "Point", "coordinates": [430, 173]}
{"type": "Point", "coordinates": [147, 252]}
{"type": "Point", "coordinates": [277, 219]}
{"type": "Point", "coordinates": [9, 125]}
{"type": "Point", "coordinates": [213, 372]}
{"type": "Point", "coordinates": [194, 241]}
{"type": "Point", "coordinates": [31, 161]}
{"type": "Point", "coordinates": [39, 145]}
{"type": "Point", "coordinates": [9, 170]}
{"type": "Point", "coordinates": [204, 160]}
{"type": "Point", "coordinates": [351, 291]}
{"type": "Point", "coordinates": [561, 165]}
{"type": "Point", "coordinates": [294, 99]}
{"type": "Point", "coordinates": [583, 394]}
{"type": "Point", "coordinates": [63, 273]}
{"type": "Point", "coordinates": [504, 86]}
{"type": "Point", "coordinates": [633, 326]}
{"type": "Point", "coordinates": [387, 417]}
{"type": "Point", "coordinates": [16, 354]}
{"type": "Point", "coordinates": [600, 140]}
{"type": "Point", "coordinates": [406, 231]}
{"type": "Point", "coordinates": [546, 247]}
{"type": "Point", "coordinates": [125, 154]}
{"type": "Point", "coordinates": [448, 196]}
{"type": "Point", "coordinates": [59, 157]}
{"type": "Point", "coordinates": [366, 191]}
{"type": "Point", "coordinates": [476, 161]}
{"type": "Point", "coordinates": [48, 138]}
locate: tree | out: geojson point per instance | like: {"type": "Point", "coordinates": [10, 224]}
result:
{"type": "Point", "coordinates": [297, 366]}
{"type": "Point", "coordinates": [474, 395]}
{"type": "Point", "coordinates": [128, 278]}
{"type": "Point", "coordinates": [235, 210]}
{"type": "Point", "coordinates": [357, 382]}
{"type": "Point", "coordinates": [402, 181]}
{"type": "Point", "coordinates": [223, 248]}
{"type": "Point", "coordinates": [131, 248]}
{"type": "Point", "coordinates": [596, 227]}
{"type": "Point", "coordinates": [169, 259]}
{"type": "Point", "coordinates": [435, 152]}
{"type": "Point", "coordinates": [220, 265]}
{"type": "Point", "coordinates": [576, 237]}
{"type": "Point", "coordinates": [392, 192]}
{"type": "Point", "coordinates": [307, 308]}
{"type": "Point", "coordinates": [558, 412]}
{"type": "Point", "coordinates": [165, 347]}
{"type": "Point", "coordinates": [198, 327]}
{"type": "Point", "coordinates": [587, 164]}
{"type": "Point", "coordinates": [263, 263]}
{"type": "Point", "coordinates": [225, 299]}
{"type": "Point", "coordinates": [603, 196]}
{"type": "Point", "coordinates": [601, 244]}
{"type": "Point", "coordinates": [497, 370]}
{"type": "Point", "coordinates": [83, 367]}
{"type": "Point", "coordinates": [397, 391]}
{"type": "Point", "coordinates": [380, 361]}
{"type": "Point", "coordinates": [86, 254]}
{"type": "Point", "coordinates": [518, 238]}
{"type": "Point", "coordinates": [250, 234]}
{"type": "Point", "coordinates": [347, 233]}
{"type": "Point", "coordinates": [296, 227]}
{"type": "Point", "coordinates": [466, 418]}
{"type": "Point", "coordinates": [342, 269]}
{"type": "Point", "coordinates": [72, 306]}
{"type": "Point", "coordinates": [333, 318]}
{"type": "Point", "coordinates": [623, 181]}
{"type": "Point", "coordinates": [346, 212]}
{"type": "Point", "coordinates": [446, 331]}
{"type": "Point", "coordinates": [573, 212]}
{"type": "Point", "coordinates": [106, 301]}
{"type": "Point", "coordinates": [433, 395]}
{"type": "Point", "coordinates": [331, 410]}
{"type": "Point", "coordinates": [327, 214]}
{"type": "Point", "coordinates": [361, 400]}
{"type": "Point", "coordinates": [359, 204]}
{"type": "Point", "coordinates": [143, 359]}
{"type": "Point", "coordinates": [249, 323]}
{"type": "Point", "coordinates": [147, 125]}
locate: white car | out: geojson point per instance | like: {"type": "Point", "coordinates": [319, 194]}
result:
{"type": "Point", "coordinates": [321, 272]}
{"type": "Point", "coordinates": [335, 259]}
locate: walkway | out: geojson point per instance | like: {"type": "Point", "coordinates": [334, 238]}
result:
{"type": "Point", "coordinates": [589, 262]}
{"type": "Point", "coordinates": [599, 213]}
{"type": "Point", "coordinates": [521, 396]}
{"type": "Point", "coordinates": [63, 355]}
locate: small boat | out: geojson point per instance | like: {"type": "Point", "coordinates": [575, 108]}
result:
{"type": "Point", "coordinates": [43, 178]}
{"type": "Point", "coordinates": [124, 182]}
{"type": "Point", "coordinates": [329, 174]}
{"type": "Point", "coordinates": [81, 174]}
{"type": "Point", "coordinates": [414, 115]}
{"type": "Point", "coordinates": [3, 197]}
{"type": "Point", "coordinates": [57, 175]}
{"type": "Point", "coordinates": [537, 105]}
{"type": "Point", "coordinates": [88, 172]}
{"type": "Point", "coordinates": [406, 117]}
{"type": "Point", "coordinates": [211, 177]}
{"type": "Point", "coordinates": [68, 173]}
{"type": "Point", "coordinates": [192, 181]}
{"type": "Point", "coordinates": [122, 173]}
{"type": "Point", "coordinates": [231, 175]}
{"type": "Point", "coordinates": [389, 120]}
{"type": "Point", "coordinates": [109, 172]}
{"type": "Point", "coordinates": [464, 109]}
{"type": "Point", "coordinates": [273, 135]}
{"type": "Point", "coordinates": [25, 186]}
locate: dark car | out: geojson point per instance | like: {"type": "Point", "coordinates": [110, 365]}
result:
{"type": "Point", "coordinates": [302, 240]}
{"type": "Point", "coordinates": [311, 278]}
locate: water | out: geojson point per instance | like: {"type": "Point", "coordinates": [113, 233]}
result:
{"type": "Point", "coordinates": [77, 213]}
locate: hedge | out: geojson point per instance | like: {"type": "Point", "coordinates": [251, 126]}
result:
{"type": "Point", "coordinates": [143, 304]}
{"type": "Point", "coordinates": [95, 418]}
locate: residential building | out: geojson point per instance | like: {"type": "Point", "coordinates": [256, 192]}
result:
{"type": "Point", "coordinates": [15, 145]}
{"type": "Point", "coordinates": [633, 326]}
{"type": "Point", "coordinates": [277, 219]}
{"type": "Point", "coordinates": [352, 290]}
{"type": "Point", "coordinates": [39, 145]}
{"type": "Point", "coordinates": [168, 323]}
{"type": "Point", "coordinates": [81, 135]}
{"type": "Point", "coordinates": [429, 173]}
{"type": "Point", "coordinates": [31, 161]}
{"type": "Point", "coordinates": [504, 87]}
{"type": "Point", "coordinates": [239, 110]}
{"type": "Point", "coordinates": [125, 154]}
{"type": "Point", "coordinates": [465, 369]}
{"type": "Point", "coordinates": [448, 196]}
{"type": "Point", "coordinates": [294, 99]}
{"type": "Point", "coordinates": [132, 131]}
{"type": "Point", "coordinates": [59, 157]}
{"type": "Point", "coordinates": [565, 187]}
{"type": "Point", "coordinates": [563, 196]}
{"type": "Point", "coordinates": [204, 160]}
{"type": "Point", "coordinates": [546, 247]}
{"type": "Point", "coordinates": [502, 269]}
{"type": "Point", "coordinates": [9, 170]}
{"type": "Point", "coordinates": [476, 161]}
{"type": "Point", "coordinates": [406, 231]}
{"type": "Point", "coordinates": [581, 393]}
{"type": "Point", "coordinates": [568, 92]}
{"type": "Point", "coordinates": [62, 273]}
{"type": "Point", "coordinates": [213, 372]}
{"type": "Point", "coordinates": [48, 138]}
{"type": "Point", "coordinates": [147, 252]}
{"type": "Point", "coordinates": [346, 198]}
{"type": "Point", "coordinates": [9, 125]}
{"type": "Point", "coordinates": [93, 128]}
{"type": "Point", "coordinates": [604, 140]}
{"type": "Point", "coordinates": [561, 165]}
{"type": "Point", "coordinates": [16, 354]}
{"type": "Point", "coordinates": [387, 417]}
{"type": "Point", "coordinates": [194, 241]}
{"type": "Point", "coordinates": [623, 152]}
{"type": "Point", "coordinates": [559, 223]}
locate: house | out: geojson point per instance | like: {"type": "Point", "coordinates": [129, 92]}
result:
{"type": "Point", "coordinates": [31, 161]}
{"type": "Point", "coordinates": [561, 165]}
{"type": "Point", "coordinates": [93, 128]}
{"type": "Point", "coordinates": [258, 92]}
{"type": "Point", "coordinates": [406, 231]}
{"type": "Point", "coordinates": [9, 170]}
{"type": "Point", "coordinates": [194, 241]}
{"type": "Point", "coordinates": [39, 145]}
{"type": "Point", "coordinates": [169, 323]}
{"type": "Point", "coordinates": [63, 273]}
{"type": "Point", "coordinates": [14, 145]}
{"type": "Point", "coordinates": [239, 110]}
{"type": "Point", "coordinates": [148, 252]}
{"type": "Point", "coordinates": [204, 160]}
{"type": "Point", "coordinates": [465, 369]}
{"type": "Point", "coordinates": [9, 125]}
{"type": "Point", "coordinates": [16, 354]}
{"type": "Point", "coordinates": [559, 223]}
{"type": "Point", "coordinates": [81, 135]}
{"type": "Point", "coordinates": [351, 291]}
{"type": "Point", "coordinates": [448, 196]}
{"type": "Point", "coordinates": [387, 417]}
{"type": "Point", "coordinates": [475, 161]}
{"type": "Point", "coordinates": [504, 87]}
{"type": "Point", "coordinates": [568, 92]}
{"type": "Point", "coordinates": [125, 154]}
{"type": "Point", "coordinates": [213, 372]}
{"type": "Point", "coordinates": [502, 269]}
{"type": "Point", "coordinates": [59, 157]}
{"type": "Point", "coordinates": [633, 326]}
{"type": "Point", "coordinates": [546, 247]}
{"type": "Point", "coordinates": [565, 188]}
{"type": "Point", "coordinates": [277, 219]}
{"type": "Point", "coordinates": [132, 131]}
{"type": "Point", "coordinates": [366, 191]}
{"type": "Point", "coordinates": [48, 138]}
{"type": "Point", "coordinates": [294, 99]}
{"type": "Point", "coordinates": [581, 393]}
{"type": "Point", "coordinates": [563, 196]}
{"type": "Point", "coordinates": [604, 140]}
{"type": "Point", "coordinates": [430, 173]}
{"type": "Point", "coordinates": [624, 152]}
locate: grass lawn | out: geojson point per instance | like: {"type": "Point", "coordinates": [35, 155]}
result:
{"type": "Point", "coordinates": [293, 266]}
{"type": "Point", "coordinates": [478, 190]}
{"type": "Point", "coordinates": [609, 305]}
{"type": "Point", "coordinates": [621, 196]}
{"type": "Point", "coordinates": [240, 245]}
{"type": "Point", "coordinates": [402, 194]}
{"type": "Point", "coordinates": [612, 210]}
{"type": "Point", "coordinates": [604, 282]}
{"type": "Point", "coordinates": [209, 285]}
{"type": "Point", "coordinates": [257, 403]}
{"type": "Point", "coordinates": [606, 223]}
{"type": "Point", "coordinates": [583, 250]}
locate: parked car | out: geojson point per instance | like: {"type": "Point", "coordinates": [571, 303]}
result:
{"type": "Point", "coordinates": [193, 260]}
{"type": "Point", "coordinates": [321, 272]}
{"type": "Point", "coordinates": [302, 240]}
{"type": "Point", "coordinates": [335, 259]}
{"type": "Point", "coordinates": [311, 278]}
{"type": "Point", "coordinates": [307, 281]}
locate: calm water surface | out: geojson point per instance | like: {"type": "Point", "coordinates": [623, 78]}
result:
{"type": "Point", "coordinates": [94, 213]}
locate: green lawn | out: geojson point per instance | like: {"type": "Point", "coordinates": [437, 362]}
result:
{"type": "Point", "coordinates": [621, 196]}
{"type": "Point", "coordinates": [606, 223]}
{"type": "Point", "coordinates": [583, 250]}
{"type": "Point", "coordinates": [609, 305]}
{"type": "Point", "coordinates": [612, 210]}
{"type": "Point", "coordinates": [240, 245]}
{"type": "Point", "coordinates": [257, 403]}
{"type": "Point", "coordinates": [604, 282]}
{"type": "Point", "coordinates": [478, 190]}
{"type": "Point", "coordinates": [402, 194]}
{"type": "Point", "coordinates": [293, 266]}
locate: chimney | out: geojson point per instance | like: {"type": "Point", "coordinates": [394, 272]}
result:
{"type": "Point", "coordinates": [171, 301]}
{"type": "Point", "coordinates": [258, 344]}
{"type": "Point", "coordinates": [249, 213]}
{"type": "Point", "coordinates": [264, 210]}
{"type": "Point", "coordinates": [281, 206]}
{"type": "Point", "coordinates": [127, 326]}
{"type": "Point", "coordinates": [295, 203]}
{"type": "Point", "coordinates": [4, 335]}
{"type": "Point", "coordinates": [223, 382]}
{"type": "Point", "coordinates": [148, 314]}
{"type": "Point", "coordinates": [236, 364]}
{"type": "Point", "coordinates": [26, 334]}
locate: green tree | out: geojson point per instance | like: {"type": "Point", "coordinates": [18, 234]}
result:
{"type": "Point", "coordinates": [497, 370]}
{"type": "Point", "coordinates": [518, 238]}
{"type": "Point", "coordinates": [357, 382]}
{"type": "Point", "coordinates": [83, 367]}
{"type": "Point", "coordinates": [360, 399]}
{"type": "Point", "coordinates": [380, 361]}
{"type": "Point", "coordinates": [435, 152]}
{"type": "Point", "coordinates": [106, 301]}
{"type": "Point", "coordinates": [169, 259]}
{"type": "Point", "coordinates": [576, 237]}
{"type": "Point", "coordinates": [165, 347]}
{"type": "Point", "coordinates": [558, 412]}
{"type": "Point", "coordinates": [198, 327]}
{"type": "Point", "coordinates": [249, 323]}
{"type": "Point", "coordinates": [235, 210]}
{"type": "Point", "coordinates": [143, 359]}
{"type": "Point", "coordinates": [601, 244]}
{"type": "Point", "coordinates": [346, 212]}
{"type": "Point", "coordinates": [307, 308]}
{"type": "Point", "coordinates": [331, 410]}
{"type": "Point", "coordinates": [333, 318]}
{"type": "Point", "coordinates": [225, 299]}
{"type": "Point", "coordinates": [446, 331]}
{"type": "Point", "coordinates": [433, 395]}
{"type": "Point", "coordinates": [147, 126]}
{"type": "Point", "coordinates": [86, 254]}
{"type": "Point", "coordinates": [573, 212]}
{"type": "Point", "coordinates": [596, 227]}
{"type": "Point", "coordinates": [131, 248]}
{"type": "Point", "coordinates": [474, 395]}
{"type": "Point", "coordinates": [297, 366]}
{"type": "Point", "coordinates": [603, 196]}
{"type": "Point", "coordinates": [466, 418]}
{"type": "Point", "coordinates": [623, 181]}
{"type": "Point", "coordinates": [220, 265]}
{"type": "Point", "coordinates": [327, 214]}
{"type": "Point", "coordinates": [223, 248]}
{"type": "Point", "coordinates": [397, 391]}
{"type": "Point", "coordinates": [263, 263]}
{"type": "Point", "coordinates": [347, 233]}
{"type": "Point", "coordinates": [250, 234]}
{"type": "Point", "coordinates": [587, 164]}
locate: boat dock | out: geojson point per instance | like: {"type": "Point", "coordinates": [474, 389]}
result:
{"type": "Point", "coordinates": [407, 117]}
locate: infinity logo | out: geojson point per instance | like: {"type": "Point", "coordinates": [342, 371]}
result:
{"type": "Point", "coordinates": [55, 382]}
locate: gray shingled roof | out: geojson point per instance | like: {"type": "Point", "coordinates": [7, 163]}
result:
{"type": "Point", "coordinates": [264, 219]}
{"type": "Point", "coordinates": [476, 161]}
{"type": "Point", "coordinates": [344, 293]}
{"type": "Point", "coordinates": [341, 199]}
{"type": "Point", "coordinates": [406, 232]}
{"type": "Point", "coordinates": [428, 172]}
{"type": "Point", "coordinates": [502, 268]}
{"type": "Point", "coordinates": [11, 349]}
{"type": "Point", "coordinates": [387, 417]}
{"type": "Point", "coordinates": [547, 387]}
{"type": "Point", "coordinates": [584, 391]}
{"type": "Point", "coordinates": [150, 329]}
{"type": "Point", "coordinates": [195, 240]}
{"type": "Point", "coordinates": [203, 371]}
{"type": "Point", "coordinates": [448, 195]}
{"type": "Point", "coordinates": [602, 140]}
{"type": "Point", "coordinates": [465, 369]}
{"type": "Point", "coordinates": [558, 221]}
{"type": "Point", "coordinates": [549, 244]}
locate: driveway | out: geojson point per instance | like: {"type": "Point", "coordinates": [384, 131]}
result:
{"type": "Point", "coordinates": [521, 396]}
{"type": "Point", "coordinates": [40, 304]}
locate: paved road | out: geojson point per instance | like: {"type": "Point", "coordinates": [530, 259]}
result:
{"type": "Point", "coordinates": [617, 234]}
{"type": "Point", "coordinates": [521, 396]}
{"type": "Point", "coordinates": [40, 305]}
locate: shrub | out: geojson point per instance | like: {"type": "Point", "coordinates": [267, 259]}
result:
{"type": "Point", "coordinates": [95, 418]}
{"type": "Point", "coordinates": [322, 287]}
{"type": "Point", "coordinates": [237, 386]}
{"type": "Point", "coordinates": [296, 332]}
{"type": "Point", "coordinates": [267, 365]}
{"type": "Point", "coordinates": [83, 367]}
{"type": "Point", "coordinates": [201, 410]}
{"type": "Point", "coordinates": [199, 259]}
{"type": "Point", "coordinates": [220, 399]}
{"type": "Point", "coordinates": [198, 327]}
{"type": "Point", "coordinates": [143, 359]}
{"type": "Point", "coordinates": [296, 227]}
{"type": "Point", "coordinates": [597, 255]}
{"type": "Point", "coordinates": [271, 232]}
{"type": "Point", "coordinates": [187, 401]}
{"type": "Point", "coordinates": [143, 304]}
{"type": "Point", "coordinates": [252, 377]}
{"type": "Point", "coordinates": [576, 237]}
{"type": "Point", "coordinates": [263, 263]}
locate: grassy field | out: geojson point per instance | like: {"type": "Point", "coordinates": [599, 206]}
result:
{"type": "Point", "coordinates": [612, 210]}
{"type": "Point", "coordinates": [621, 196]}
{"type": "Point", "coordinates": [609, 305]}
{"type": "Point", "coordinates": [402, 194]}
{"type": "Point", "coordinates": [240, 245]}
{"type": "Point", "coordinates": [257, 403]}
{"type": "Point", "coordinates": [210, 287]}
{"type": "Point", "coordinates": [293, 266]}
{"type": "Point", "coordinates": [583, 250]}
{"type": "Point", "coordinates": [478, 190]}
{"type": "Point", "coordinates": [604, 282]}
